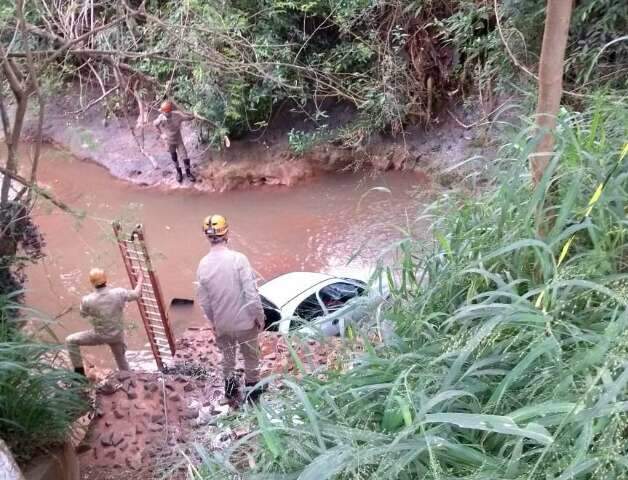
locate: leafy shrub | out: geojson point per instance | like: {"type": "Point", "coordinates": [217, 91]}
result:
{"type": "Point", "coordinates": [39, 397]}
{"type": "Point", "coordinates": [394, 61]}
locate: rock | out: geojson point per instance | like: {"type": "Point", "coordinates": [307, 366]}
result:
{"type": "Point", "coordinates": [190, 413]}
{"type": "Point", "coordinates": [175, 397]}
{"type": "Point", "coordinates": [170, 387]}
{"type": "Point", "coordinates": [107, 423]}
{"type": "Point", "coordinates": [131, 395]}
{"type": "Point", "coordinates": [139, 406]}
{"type": "Point", "coordinates": [111, 454]}
{"type": "Point", "coordinates": [106, 388]}
{"type": "Point", "coordinates": [151, 387]}
{"type": "Point", "coordinates": [99, 413]}
{"type": "Point", "coordinates": [188, 387]}
{"type": "Point", "coordinates": [118, 414]}
{"type": "Point", "coordinates": [83, 447]}
{"type": "Point", "coordinates": [159, 419]}
{"type": "Point", "coordinates": [116, 438]}
{"type": "Point", "coordinates": [112, 439]}
{"type": "Point", "coordinates": [106, 439]}
{"type": "Point", "coordinates": [123, 446]}
{"type": "Point", "coordinates": [139, 429]}
{"type": "Point", "coordinates": [155, 428]}
{"type": "Point", "coordinates": [134, 463]}
{"type": "Point", "coordinates": [123, 375]}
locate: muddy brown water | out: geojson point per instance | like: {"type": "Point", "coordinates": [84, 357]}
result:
{"type": "Point", "coordinates": [317, 226]}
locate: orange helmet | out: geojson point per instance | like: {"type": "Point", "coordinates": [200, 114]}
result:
{"type": "Point", "coordinates": [166, 107]}
{"type": "Point", "coordinates": [97, 277]}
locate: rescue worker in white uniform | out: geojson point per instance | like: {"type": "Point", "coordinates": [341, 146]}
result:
{"type": "Point", "coordinates": [227, 293]}
{"type": "Point", "coordinates": [103, 308]}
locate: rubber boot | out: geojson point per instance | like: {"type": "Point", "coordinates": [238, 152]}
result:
{"type": "Point", "coordinates": [179, 175]}
{"type": "Point", "coordinates": [231, 388]}
{"type": "Point", "coordinates": [254, 393]}
{"type": "Point", "coordinates": [188, 171]}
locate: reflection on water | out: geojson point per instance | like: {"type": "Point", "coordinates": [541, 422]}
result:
{"type": "Point", "coordinates": [313, 227]}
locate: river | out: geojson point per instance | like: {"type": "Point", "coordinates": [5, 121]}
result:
{"type": "Point", "coordinates": [316, 226]}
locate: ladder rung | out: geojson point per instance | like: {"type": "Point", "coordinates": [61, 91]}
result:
{"type": "Point", "coordinates": [156, 325]}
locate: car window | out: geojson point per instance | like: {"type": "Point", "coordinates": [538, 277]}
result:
{"type": "Point", "coordinates": [336, 295]}
{"type": "Point", "coordinates": [309, 308]}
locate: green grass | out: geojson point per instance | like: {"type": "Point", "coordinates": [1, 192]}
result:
{"type": "Point", "coordinates": [485, 381]}
{"type": "Point", "coordinates": [39, 397]}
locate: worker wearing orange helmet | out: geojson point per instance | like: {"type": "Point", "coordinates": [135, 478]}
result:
{"type": "Point", "coordinates": [103, 308]}
{"type": "Point", "coordinates": [227, 293]}
{"type": "Point", "coordinates": [168, 124]}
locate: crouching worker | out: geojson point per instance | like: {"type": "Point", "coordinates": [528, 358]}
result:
{"type": "Point", "coordinates": [228, 295]}
{"type": "Point", "coordinates": [103, 308]}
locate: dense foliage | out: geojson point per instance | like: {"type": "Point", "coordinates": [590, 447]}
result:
{"type": "Point", "coordinates": [510, 361]}
{"type": "Point", "coordinates": [39, 397]}
{"type": "Point", "coordinates": [21, 244]}
{"type": "Point", "coordinates": [395, 61]}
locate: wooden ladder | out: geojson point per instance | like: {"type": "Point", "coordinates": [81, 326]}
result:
{"type": "Point", "coordinates": [151, 305]}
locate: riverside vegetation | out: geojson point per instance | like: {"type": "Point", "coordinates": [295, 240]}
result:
{"type": "Point", "coordinates": [508, 362]}
{"type": "Point", "coordinates": [509, 359]}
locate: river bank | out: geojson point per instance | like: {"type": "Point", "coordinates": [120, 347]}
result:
{"type": "Point", "coordinates": [144, 424]}
{"type": "Point", "coordinates": [114, 143]}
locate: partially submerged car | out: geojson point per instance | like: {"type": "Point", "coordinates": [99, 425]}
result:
{"type": "Point", "coordinates": [315, 301]}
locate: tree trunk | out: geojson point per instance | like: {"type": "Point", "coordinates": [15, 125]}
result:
{"type": "Point", "coordinates": [557, 17]}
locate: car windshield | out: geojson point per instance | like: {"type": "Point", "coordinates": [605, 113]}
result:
{"type": "Point", "coordinates": [336, 295]}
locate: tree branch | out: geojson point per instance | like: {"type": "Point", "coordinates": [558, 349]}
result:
{"type": "Point", "coordinates": [40, 191]}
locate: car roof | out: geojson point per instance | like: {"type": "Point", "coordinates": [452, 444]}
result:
{"type": "Point", "coordinates": [280, 290]}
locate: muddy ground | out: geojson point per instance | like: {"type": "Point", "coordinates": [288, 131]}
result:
{"type": "Point", "coordinates": [144, 424]}
{"type": "Point", "coordinates": [261, 159]}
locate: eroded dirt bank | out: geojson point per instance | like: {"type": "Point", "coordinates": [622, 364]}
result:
{"type": "Point", "coordinates": [265, 160]}
{"type": "Point", "coordinates": [143, 423]}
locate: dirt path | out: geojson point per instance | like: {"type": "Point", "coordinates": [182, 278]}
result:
{"type": "Point", "coordinates": [143, 422]}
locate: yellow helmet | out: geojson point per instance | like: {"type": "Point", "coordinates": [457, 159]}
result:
{"type": "Point", "coordinates": [97, 277]}
{"type": "Point", "coordinates": [215, 226]}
